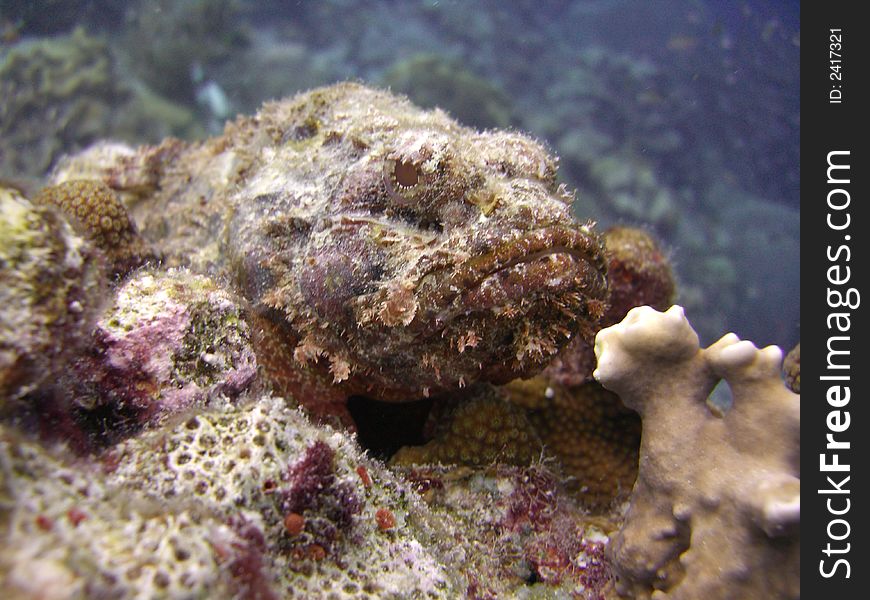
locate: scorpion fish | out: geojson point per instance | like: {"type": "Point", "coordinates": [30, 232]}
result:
{"type": "Point", "coordinates": [383, 250]}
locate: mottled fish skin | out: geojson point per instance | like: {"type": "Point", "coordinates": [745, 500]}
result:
{"type": "Point", "coordinates": [384, 250]}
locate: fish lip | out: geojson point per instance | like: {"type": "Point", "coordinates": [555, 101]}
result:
{"type": "Point", "coordinates": [579, 241]}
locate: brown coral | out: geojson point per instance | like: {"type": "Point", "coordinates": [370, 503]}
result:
{"type": "Point", "coordinates": [638, 273]}
{"type": "Point", "coordinates": [791, 369]}
{"type": "Point", "coordinates": [481, 431]}
{"type": "Point", "coordinates": [593, 436]}
{"type": "Point", "coordinates": [97, 213]}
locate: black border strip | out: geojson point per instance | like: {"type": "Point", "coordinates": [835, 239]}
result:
{"type": "Point", "coordinates": [834, 227]}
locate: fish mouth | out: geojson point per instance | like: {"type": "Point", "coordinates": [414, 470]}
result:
{"type": "Point", "coordinates": [559, 265]}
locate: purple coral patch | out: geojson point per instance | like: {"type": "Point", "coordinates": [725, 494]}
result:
{"type": "Point", "coordinates": [313, 490]}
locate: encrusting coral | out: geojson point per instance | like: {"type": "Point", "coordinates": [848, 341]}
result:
{"type": "Point", "coordinates": [482, 430]}
{"type": "Point", "coordinates": [592, 436]}
{"type": "Point", "coordinates": [715, 512]}
{"type": "Point", "coordinates": [529, 539]}
{"type": "Point", "coordinates": [200, 509]}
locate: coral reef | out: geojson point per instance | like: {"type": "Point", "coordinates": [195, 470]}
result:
{"type": "Point", "coordinates": [174, 45]}
{"type": "Point", "coordinates": [589, 432]}
{"type": "Point", "coordinates": [254, 501]}
{"type": "Point", "coordinates": [51, 288]}
{"type": "Point", "coordinates": [390, 248]}
{"type": "Point", "coordinates": [354, 253]}
{"type": "Point", "coordinates": [257, 465]}
{"type": "Point", "coordinates": [58, 95]}
{"type": "Point", "coordinates": [529, 538]}
{"type": "Point", "coordinates": [791, 368]}
{"type": "Point", "coordinates": [593, 438]}
{"type": "Point", "coordinates": [197, 509]}
{"type": "Point", "coordinates": [61, 94]}
{"type": "Point", "coordinates": [715, 511]}
{"type": "Point", "coordinates": [68, 533]}
{"type": "Point", "coordinates": [98, 215]}
{"type": "Point", "coordinates": [482, 430]}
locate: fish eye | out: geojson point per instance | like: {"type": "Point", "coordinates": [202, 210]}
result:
{"type": "Point", "coordinates": [402, 175]}
{"type": "Point", "coordinates": [405, 174]}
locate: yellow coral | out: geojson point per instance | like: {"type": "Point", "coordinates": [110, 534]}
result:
{"type": "Point", "coordinates": [94, 210]}
{"type": "Point", "coordinates": [791, 369]}
{"type": "Point", "coordinates": [482, 431]}
{"type": "Point", "coordinates": [594, 438]}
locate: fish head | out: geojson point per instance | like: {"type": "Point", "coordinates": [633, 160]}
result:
{"type": "Point", "coordinates": [436, 256]}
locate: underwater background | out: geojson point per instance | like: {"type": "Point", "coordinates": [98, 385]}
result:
{"type": "Point", "coordinates": [681, 116]}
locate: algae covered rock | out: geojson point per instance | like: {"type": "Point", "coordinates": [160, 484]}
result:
{"type": "Point", "coordinates": [51, 286]}
{"type": "Point", "coordinates": [201, 508]}
{"type": "Point", "coordinates": [63, 93]}
{"type": "Point", "coordinates": [431, 80]}
{"type": "Point", "coordinates": [58, 95]}
{"type": "Point", "coordinates": [70, 533]}
{"type": "Point", "coordinates": [168, 343]}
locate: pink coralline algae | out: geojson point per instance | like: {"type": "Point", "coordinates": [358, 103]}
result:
{"type": "Point", "coordinates": [170, 342]}
{"type": "Point", "coordinates": [326, 506]}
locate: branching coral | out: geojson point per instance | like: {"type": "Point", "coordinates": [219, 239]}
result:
{"type": "Point", "coordinates": [716, 507]}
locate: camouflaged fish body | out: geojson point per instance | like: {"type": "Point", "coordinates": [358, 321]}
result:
{"type": "Point", "coordinates": [385, 250]}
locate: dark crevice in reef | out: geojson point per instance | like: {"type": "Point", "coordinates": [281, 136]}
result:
{"type": "Point", "coordinates": [384, 427]}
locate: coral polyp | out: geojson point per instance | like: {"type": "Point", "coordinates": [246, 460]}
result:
{"type": "Point", "coordinates": [97, 214]}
